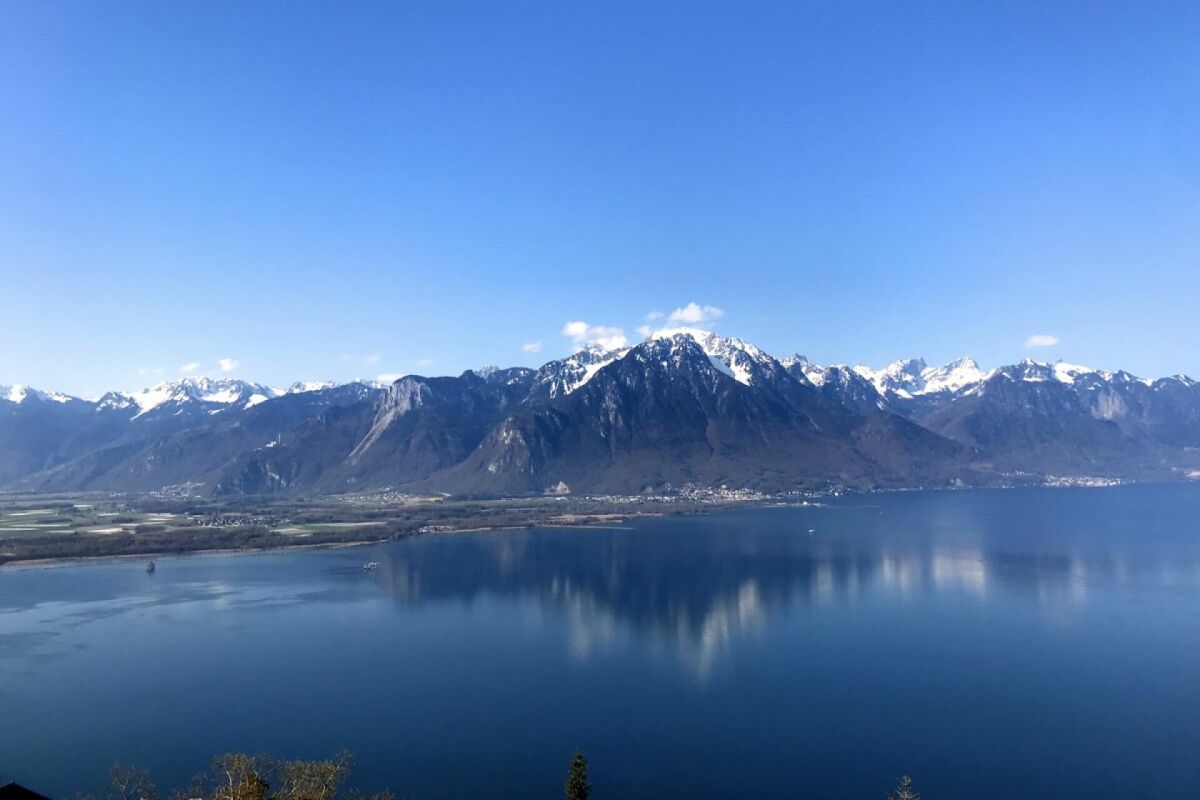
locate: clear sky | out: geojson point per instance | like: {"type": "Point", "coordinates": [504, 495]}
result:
{"type": "Point", "coordinates": [350, 189]}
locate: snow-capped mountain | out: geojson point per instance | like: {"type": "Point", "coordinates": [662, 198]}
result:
{"type": "Point", "coordinates": [898, 379]}
{"type": "Point", "coordinates": [839, 383]}
{"type": "Point", "coordinates": [19, 393]}
{"type": "Point", "coordinates": [509, 376]}
{"type": "Point", "coordinates": [678, 409]}
{"type": "Point", "coordinates": [913, 377]}
{"type": "Point", "coordinates": [560, 378]}
{"type": "Point", "coordinates": [214, 393]}
{"type": "Point", "coordinates": [951, 377]}
{"type": "Point", "coordinates": [683, 406]}
{"type": "Point", "coordinates": [1059, 371]}
{"type": "Point", "coordinates": [300, 387]}
{"type": "Point", "coordinates": [738, 359]}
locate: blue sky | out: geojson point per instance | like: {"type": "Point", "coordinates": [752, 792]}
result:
{"type": "Point", "coordinates": [337, 190]}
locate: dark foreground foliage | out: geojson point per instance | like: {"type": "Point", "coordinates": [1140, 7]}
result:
{"type": "Point", "coordinates": [904, 790]}
{"type": "Point", "coordinates": [237, 776]}
{"type": "Point", "coordinates": [577, 786]}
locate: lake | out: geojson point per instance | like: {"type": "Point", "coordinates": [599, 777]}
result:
{"type": "Point", "coordinates": [1039, 643]}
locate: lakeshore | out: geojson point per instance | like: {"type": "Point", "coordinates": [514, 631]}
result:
{"type": "Point", "coordinates": [91, 528]}
{"type": "Point", "coordinates": [688, 648]}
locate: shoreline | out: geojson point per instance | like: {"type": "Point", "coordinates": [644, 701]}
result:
{"type": "Point", "coordinates": [605, 522]}
{"type": "Point", "coordinates": [68, 561]}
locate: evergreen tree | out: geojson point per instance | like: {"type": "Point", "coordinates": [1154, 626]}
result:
{"type": "Point", "coordinates": [577, 786]}
{"type": "Point", "coordinates": [904, 790]}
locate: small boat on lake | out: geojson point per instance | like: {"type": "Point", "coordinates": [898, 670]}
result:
{"type": "Point", "coordinates": [150, 568]}
{"type": "Point", "coordinates": [370, 566]}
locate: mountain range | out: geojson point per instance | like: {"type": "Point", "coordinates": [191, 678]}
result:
{"type": "Point", "coordinates": [683, 407]}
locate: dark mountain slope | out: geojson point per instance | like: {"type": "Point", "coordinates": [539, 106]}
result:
{"type": "Point", "coordinates": [666, 414]}
{"type": "Point", "coordinates": [683, 407]}
{"type": "Point", "coordinates": [194, 447]}
{"type": "Point", "coordinates": [1042, 425]}
{"type": "Point", "coordinates": [416, 427]}
{"type": "Point", "coordinates": [32, 434]}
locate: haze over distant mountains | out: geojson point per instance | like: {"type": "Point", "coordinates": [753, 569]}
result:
{"type": "Point", "coordinates": [685, 406]}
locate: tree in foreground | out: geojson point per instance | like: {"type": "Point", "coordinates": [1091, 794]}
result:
{"type": "Point", "coordinates": [577, 786]}
{"type": "Point", "coordinates": [237, 776]}
{"type": "Point", "coordinates": [904, 790]}
{"type": "Point", "coordinates": [128, 783]}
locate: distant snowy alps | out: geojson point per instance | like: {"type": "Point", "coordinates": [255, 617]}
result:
{"type": "Point", "coordinates": [685, 406]}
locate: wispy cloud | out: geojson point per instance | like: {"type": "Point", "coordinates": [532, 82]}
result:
{"type": "Point", "coordinates": [389, 377]}
{"type": "Point", "coordinates": [153, 372]}
{"type": "Point", "coordinates": [228, 364]}
{"type": "Point", "coordinates": [190, 367]}
{"type": "Point", "coordinates": [369, 358]}
{"type": "Point", "coordinates": [694, 313]}
{"type": "Point", "coordinates": [580, 333]}
{"type": "Point", "coordinates": [532, 347]}
{"type": "Point", "coordinates": [645, 329]}
{"type": "Point", "coordinates": [424, 362]}
{"type": "Point", "coordinates": [1041, 340]}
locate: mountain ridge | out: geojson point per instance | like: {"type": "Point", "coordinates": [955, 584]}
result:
{"type": "Point", "coordinates": [683, 406]}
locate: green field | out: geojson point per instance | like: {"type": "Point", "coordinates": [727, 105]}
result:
{"type": "Point", "coordinates": [36, 527]}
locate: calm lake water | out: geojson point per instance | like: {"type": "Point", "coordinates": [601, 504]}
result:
{"type": "Point", "coordinates": [1031, 643]}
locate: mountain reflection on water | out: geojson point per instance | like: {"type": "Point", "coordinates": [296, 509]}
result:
{"type": "Point", "coordinates": [1032, 643]}
{"type": "Point", "coordinates": [692, 584]}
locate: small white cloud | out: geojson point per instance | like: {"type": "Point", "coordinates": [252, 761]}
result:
{"type": "Point", "coordinates": [369, 359]}
{"type": "Point", "coordinates": [152, 371]}
{"type": "Point", "coordinates": [532, 347]}
{"type": "Point", "coordinates": [580, 333]}
{"type": "Point", "coordinates": [1041, 340]}
{"type": "Point", "coordinates": [644, 331]}
{"type": "Point", "coordinates": [653, 315]}
{"type": "Point", "coordinates": [189, 367]}
{"type": "Point", "coordinates": [693, 313]}
{"type": "Point", "coordinates": [227, 364]}
{"type": "Point", "coordinates": [424, 362]}
{"type": "Point", "coordinates": [389, 377]}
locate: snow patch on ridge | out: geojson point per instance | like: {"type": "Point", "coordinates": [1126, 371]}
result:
{"type": "Point", "coordinates": [21, 392]}
{"type": "Point", "coordinates": [300, 387]}
{"type": "Point", "coordinates": [735, 357]}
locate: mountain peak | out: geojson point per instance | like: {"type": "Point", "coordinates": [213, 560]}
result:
{"type": "Point", "coordinates": [201, 389]}
{"type": "Point", "coordinates": [1059, 371]}
{"type": "Point", "coordinates": [902, 377]}
{"type": "Point", "coordinates": [299, 387]}
{"type": "Point", "coordinates": [737, 358]}
{"type": "Point", "coordinates": [19, 393]}
{"type": "Point", "coordinates": [561, 377]}
{"type": "Point", "coordinates": [685, 404]}
{"type": "Point", "coordinates": [951, 377]}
